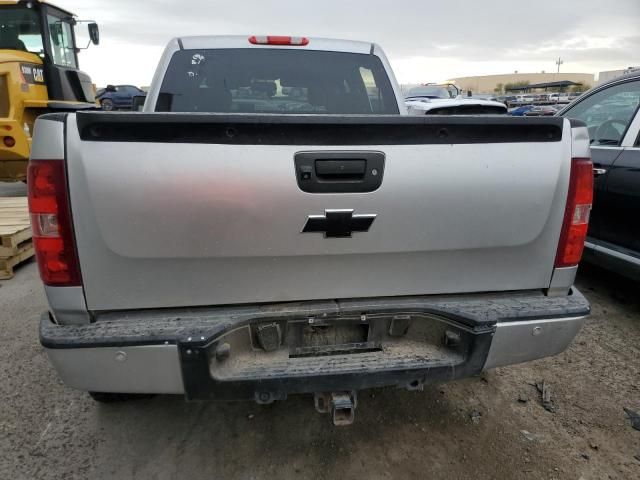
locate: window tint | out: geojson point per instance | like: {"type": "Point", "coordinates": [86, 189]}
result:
{"type": "Point", "coordinates": [608, 112]}
{"type": "Point", "coordinates": [61, 42]}
{"type": "Point", "coordinates": [275, 81]}
{"type": "Point", "coordinates": [20, 30]}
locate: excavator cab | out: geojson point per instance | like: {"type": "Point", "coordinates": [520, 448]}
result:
{"type": "Point", "coordinates": [38, 74]}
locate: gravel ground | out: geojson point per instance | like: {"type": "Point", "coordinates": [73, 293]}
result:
{"type": "Point", "coordinates": [466, 429]}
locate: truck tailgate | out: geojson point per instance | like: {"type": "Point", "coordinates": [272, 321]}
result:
{"type": "Point", "coordinates": [202, 209]}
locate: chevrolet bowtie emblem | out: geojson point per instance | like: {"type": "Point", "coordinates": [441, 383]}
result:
{"type": "Point", "coordinates": [338, 223]}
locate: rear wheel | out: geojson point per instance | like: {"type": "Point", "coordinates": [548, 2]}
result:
{"type": "Point", "coordinates": [106, 104]}
{"type": "Point", "coordinates": [109, 397]}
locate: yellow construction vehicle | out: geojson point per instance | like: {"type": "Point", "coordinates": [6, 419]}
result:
{"type": "Point", "coordinates": [38, 74]}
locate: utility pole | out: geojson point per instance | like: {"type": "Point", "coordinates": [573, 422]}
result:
{"type": "Point", "coordinates": [558, 63]}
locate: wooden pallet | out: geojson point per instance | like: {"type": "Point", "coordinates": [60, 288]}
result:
{"type": "Point", "coordinates": [15, 234]}
{"type": "Point", "coordinates": [7, 264]}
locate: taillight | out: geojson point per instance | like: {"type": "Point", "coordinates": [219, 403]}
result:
{"type": "Point", "coordinates": [279, 40]}
{"type": "Point", "coordinates": [576, 215]}
{"type": "Point", "coordinates": [53, 237]}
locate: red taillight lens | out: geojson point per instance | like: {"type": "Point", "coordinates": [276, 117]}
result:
{"type": "Point", "coordinates": [576, 215]}
{"type": "Point", "coordinates": [51, 223]}
{"type": "Point", "coordinates": [278, 40]}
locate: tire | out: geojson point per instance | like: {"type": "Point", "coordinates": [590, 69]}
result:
{"type": "Point", "coordinates": [108, 397]}
{"type": "Point", "coordinates": [107, 105]}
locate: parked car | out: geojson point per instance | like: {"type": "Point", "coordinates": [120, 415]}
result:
{"type": "Point", "coordinates": [508, 100]}
{"type": "Point", "coordinates": [611, 112]}
{"type": "Point", "coordinates": [568, 97]}
{"type": "Point", "coordinates": [115, 97]}
{"type": "Point", "coordinates": [455, 106]}
{"type": "Point", "coordinates": [428, 91]}
{"type": "Point", "coordinates": [336, 246]}
{"type": "Point", "coordinates": [438, 100]}
{"type": "Point", "coordinates": [523, 99]}
{"type": "Point", "coordinates": [553, 97]}
{"type": "Point", "coordinates": [520, 111]}
{"type": "Point", "coordinates": [541, 111]}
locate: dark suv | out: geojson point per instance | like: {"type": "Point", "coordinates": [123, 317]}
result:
{"type": "Point", "coordinates": [118, 96]}
{"type": "Point", "coordinates": [611, 114]}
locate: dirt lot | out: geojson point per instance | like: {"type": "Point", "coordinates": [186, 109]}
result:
{"type": "Point", "coordinates": [468, 429]}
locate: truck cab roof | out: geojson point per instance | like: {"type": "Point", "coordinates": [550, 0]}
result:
{"type": "Point", "coordinates": [242, 41]}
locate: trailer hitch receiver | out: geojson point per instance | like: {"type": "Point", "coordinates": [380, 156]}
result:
{"type": "Point", "coordinates": [341, 405]}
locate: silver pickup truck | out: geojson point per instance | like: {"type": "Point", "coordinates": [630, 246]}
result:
{"type": "Point", "coordinates": [274, 223]}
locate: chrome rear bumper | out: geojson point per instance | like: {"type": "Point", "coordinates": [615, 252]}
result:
{"type": "Point", "coordinates": [517, 342]}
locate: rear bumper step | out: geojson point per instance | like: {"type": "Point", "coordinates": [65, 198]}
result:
{"type": "Point", "coordinates": [267, 352]}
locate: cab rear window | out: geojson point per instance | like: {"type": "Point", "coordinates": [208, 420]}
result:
{"type": "Point", "coordinates": [279, 81]}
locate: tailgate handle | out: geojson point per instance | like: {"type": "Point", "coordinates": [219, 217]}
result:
{"type": "Point", "coordinates": [339, 171]}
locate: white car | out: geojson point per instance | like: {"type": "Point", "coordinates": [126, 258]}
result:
{"type": "Point", "coordinates": [437, 100]}
{"type": "Point", "coordinates": [455, 106]}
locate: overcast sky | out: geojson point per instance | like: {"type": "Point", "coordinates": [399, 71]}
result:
{"type": "Point", "coordinates": [426, 40]}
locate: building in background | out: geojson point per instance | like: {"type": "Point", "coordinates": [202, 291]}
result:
{"type": "Point", "coordinates": [611, 74]}
{"type": "Point", "coordinates": [497, 83]}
